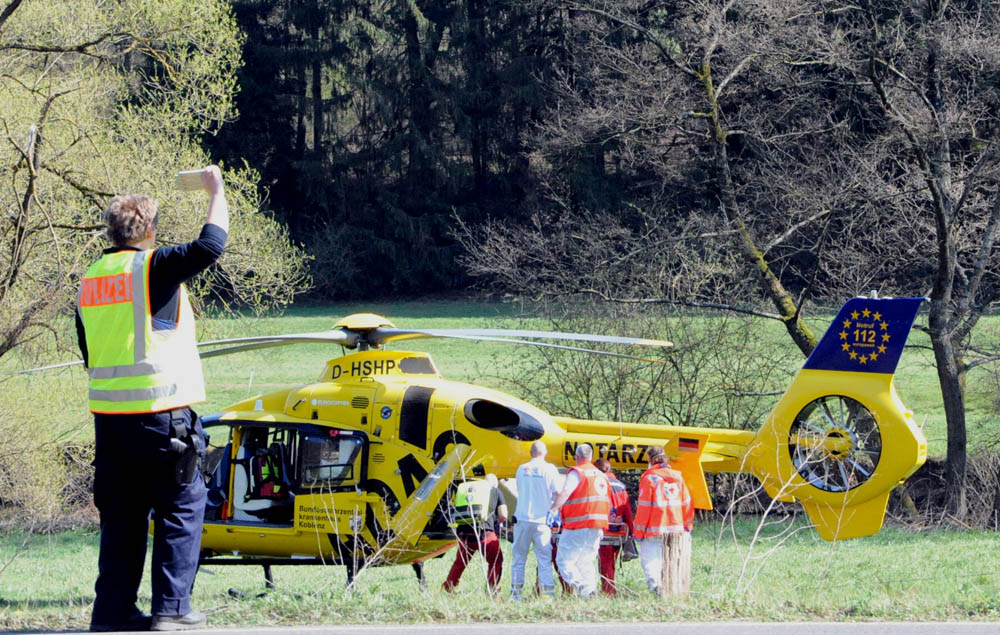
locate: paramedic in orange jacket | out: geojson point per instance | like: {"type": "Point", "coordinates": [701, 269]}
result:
{"type": "Point", "coordinates": [585, 505]}
{"type": "Point", "coordinates": [619, 527]}
{"type": "Point", "coordinates": [664, 507]}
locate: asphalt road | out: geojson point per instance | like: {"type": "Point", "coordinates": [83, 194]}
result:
{"type": "Point", "coordinates": [634, 628]}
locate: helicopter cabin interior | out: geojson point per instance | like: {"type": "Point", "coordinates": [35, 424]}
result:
{"type": "Point", "coordinates": [258, 469]}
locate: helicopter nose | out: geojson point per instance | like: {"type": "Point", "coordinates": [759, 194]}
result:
{"type": "Point", "coordinates": [508, 421]}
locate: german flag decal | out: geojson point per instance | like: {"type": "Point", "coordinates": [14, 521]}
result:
{"type": "Point", "coordinates": [687, 445]}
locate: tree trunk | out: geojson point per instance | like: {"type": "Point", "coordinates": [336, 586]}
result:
{"type": "Point", "coordinates": [418, 170]}
{"type": "Point", "coordinates": [676, 574]}
{"type": "Point", "coordinates": [317, 92]}
{"type": "Point", "coordinates": [300, 114]}
{"type": "Point", "coordinates": [954, 408]}
{"type": "Point", "coordinates": [801, 334]}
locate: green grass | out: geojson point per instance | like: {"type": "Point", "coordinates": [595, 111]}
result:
{"type": "Point", "coordinates": [896, 575]}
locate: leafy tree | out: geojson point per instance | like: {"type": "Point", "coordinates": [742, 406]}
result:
{"type": "Point", "coordinates": [101, 98]}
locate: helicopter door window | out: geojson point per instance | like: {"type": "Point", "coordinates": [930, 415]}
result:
{"type": "Point", "coordinates": [329, 461]}
{"type": "Point", "coordinates": [261, 486]}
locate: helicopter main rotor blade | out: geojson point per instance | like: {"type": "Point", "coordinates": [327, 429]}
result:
{"type": "Point", "coordinates": [344, 338]}
{"type": "Point", "coordinates": [229, 350]}
{"type": "Point", "coordinates": [382, 335]}
{"type": "Point", "coordinates": [51, 367]}
{"type": "Point", "coordinates": [243, 344]}
{"type": "Point", "coordinates": [507, 340]}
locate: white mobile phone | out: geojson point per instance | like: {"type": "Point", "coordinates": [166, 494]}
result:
{"type": "Point", "coordinates": [188, 180]}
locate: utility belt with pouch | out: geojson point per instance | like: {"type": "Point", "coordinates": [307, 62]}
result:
{"type": "Point", "coordinates": [188, 444]}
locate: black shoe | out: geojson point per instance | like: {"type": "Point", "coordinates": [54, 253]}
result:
{"type": "Point", "coordinates": [194, 619]}
{"type": "Point", "coordinates": [137, 622]}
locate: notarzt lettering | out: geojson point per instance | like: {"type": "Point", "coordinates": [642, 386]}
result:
{"type": "Point", "coordinates": [106, 290]}
{"type": "Point", "coordinates": [628, 453]}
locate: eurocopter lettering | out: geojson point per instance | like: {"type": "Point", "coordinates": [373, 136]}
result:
{"type": "Point", "coordinates": [351, 469]}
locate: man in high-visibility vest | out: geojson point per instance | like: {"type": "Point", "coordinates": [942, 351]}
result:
{"type": "Point", "coordinates": [584, 503]}
{"type": "Point", "coordinates": [619, 528]}
{"type": "Point", "coordinates": [478, 510]}
{"type": "Point", "coordinates": [664, 506]}
{"type": "Point", "coordinates": [136, 331]}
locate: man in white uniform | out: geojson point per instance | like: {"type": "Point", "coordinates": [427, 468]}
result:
{"type": "Point", "coordinates": [537, 484]}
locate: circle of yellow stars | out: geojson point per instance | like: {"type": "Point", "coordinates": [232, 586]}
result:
{"type": "Point", "coordinates": [882, 339]}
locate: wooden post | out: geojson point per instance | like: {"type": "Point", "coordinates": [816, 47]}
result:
{"type": "Point", "coordinates": [676, 564]}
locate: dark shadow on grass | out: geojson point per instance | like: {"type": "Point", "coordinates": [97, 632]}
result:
{"type": "Point", "coordinates": [49, 630]}
{"type": "Point", "coordinates": [44, 604]}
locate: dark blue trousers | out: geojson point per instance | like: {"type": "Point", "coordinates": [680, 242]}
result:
{"type": "Point", "coordinates": [134, 481]}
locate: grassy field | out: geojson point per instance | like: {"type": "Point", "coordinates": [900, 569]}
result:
{"type": "Point", "coordinates": [788, 575]}
{"type": "Point", "coordinates": [894, 575]}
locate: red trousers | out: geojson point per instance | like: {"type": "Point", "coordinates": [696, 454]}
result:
{"type": "Point", "coordinates": [607, 555]}
{"type": "Point", "coordinates": [486, 543]}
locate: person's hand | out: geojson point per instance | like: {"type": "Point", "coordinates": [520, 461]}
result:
{"type": "Point", "coordinates": [211, 180]}
{"type": "Point", "coordinates": [552, 518]}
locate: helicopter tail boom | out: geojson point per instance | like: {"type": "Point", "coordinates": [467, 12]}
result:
{"type": "Point", "coordinates": [624, 445]}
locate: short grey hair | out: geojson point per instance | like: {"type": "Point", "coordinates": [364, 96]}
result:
{"type": "Point", "coordinates": [584, 451]}
{"type": "Point", "coordinates": [538, 449]}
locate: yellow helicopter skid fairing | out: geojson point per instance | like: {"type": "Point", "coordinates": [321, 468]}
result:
{"type": "Point", "coordinates": [364, 455]}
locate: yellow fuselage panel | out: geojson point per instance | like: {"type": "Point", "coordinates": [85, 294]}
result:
{"type": "Point", "coordinates": [249, 540]}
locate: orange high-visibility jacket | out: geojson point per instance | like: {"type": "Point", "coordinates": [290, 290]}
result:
{"type": "Point", "coordinates": [620, 515]}
{"type": "Point", "coordinates": [589, 504]}
{"type": "Point", "coordinates": [664, 503]}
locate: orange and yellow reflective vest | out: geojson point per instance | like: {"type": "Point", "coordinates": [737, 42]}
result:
{"type": "Point", "coordinates": [664, 503]}
{"type": "Point", "coordinates": [134, 369]}
{"type": "Point", "coordinates": [589, 504]}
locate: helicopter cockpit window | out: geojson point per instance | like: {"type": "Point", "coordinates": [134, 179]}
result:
{"type": "Point", "coordinates": [329, 461]}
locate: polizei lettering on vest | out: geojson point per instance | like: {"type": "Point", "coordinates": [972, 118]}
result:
{"type": "Point", "coordinates": [106, 290]}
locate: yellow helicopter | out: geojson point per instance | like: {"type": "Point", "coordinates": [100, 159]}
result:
{"type": "Point", "coordinates": [352, 468]}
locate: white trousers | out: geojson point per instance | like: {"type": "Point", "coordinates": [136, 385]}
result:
{"type": "Point", "coordinates": [651, 557]}
{"type": "Point", "coordinates": [526, 536]}
{"type": "Point", "coordinates": [577, 558]}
